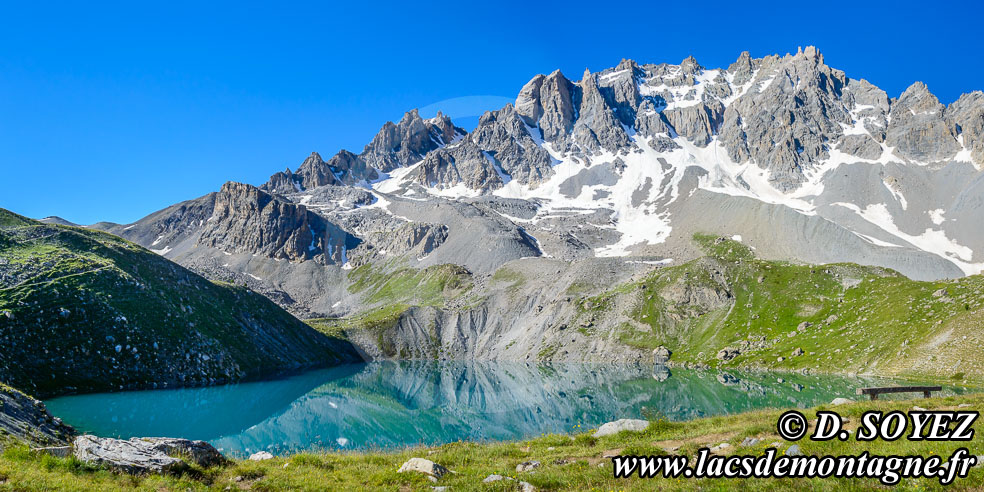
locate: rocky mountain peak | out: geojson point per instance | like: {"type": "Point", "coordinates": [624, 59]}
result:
{"type": "Point", "coordinates": [689, 66]}
{"type": "Point", "coordinates": [917, 129]}
{"type": "Point", "coordinates": [917, 99]}
{"type": "Point", "coordinates": [627, 64]}
{"type": "Point", "coordinates": [742, 68]}
{"type": "Point", "coordinates": [246, 219]}
{"type": "Point", "coordinates": [810, 53]}
{"type": "Point", "coordinates": [405, 143]}
{"type": "Point", "coordinates": [548, 103]}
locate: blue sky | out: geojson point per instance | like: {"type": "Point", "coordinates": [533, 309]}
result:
{"type": "Point", "coordinates": [112, 111]}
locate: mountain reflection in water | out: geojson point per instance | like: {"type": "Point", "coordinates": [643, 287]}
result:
{"type": "Point", "coordinates": [391, 404]}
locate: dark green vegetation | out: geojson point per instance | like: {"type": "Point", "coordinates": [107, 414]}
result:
{"type": "Point", "coordinates": [828, 318]}
{"type": "Point", "coordinates": [82, 310]}
{"type": "Point", "coordinates": [569, 462]}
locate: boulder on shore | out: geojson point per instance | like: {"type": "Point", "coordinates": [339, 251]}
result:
{"type": "Point", "coordinates": [146, 455]}
{"type": "Point", "coordinates": [661, 355]}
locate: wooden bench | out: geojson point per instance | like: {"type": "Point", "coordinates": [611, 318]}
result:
{"type": "Point", "coordinates": [874, 392]}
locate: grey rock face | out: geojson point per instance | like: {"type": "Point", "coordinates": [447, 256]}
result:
{"type": "Point", "coordinates": [147, 455]}
{"type": "Point", "coordinates": [345, 168]}
{"type": "Point", "coordinates": [967, 117]}
{"type": "Point", "coordinates": [862, 146]}
{"type": "Point", "coordinates": [499, 150]}
{"type": "Point", "coordinates": [246, 219]}
{"type": "Point", "coordinates": [917, 129]}
{"type": "Point", "coordinates": [622, 91]}
{"type": "Point", "coordinates": [548, 103]}
{"type": "Point", "coordinates": [743, 68]}
{"type": "Point", "coordinates": [506, 139]}
{"type": "Point", "coordinates": [408, 141]}
{"type": "Point", "coordinates": [25, 419]}
{"type": "Point", "coordinates": [596, 127]}
{"type": "Point", "coordinates": [697, 123]}
{"type": "Point", "coordinates": [784, 123]}
{"type": "Point", "coordinates": [465, 164]}
{"type": "Point", "coordinates": [396, 145]}
{"type": "Point", "coordinates": [314, 171]}
{"type": "Point", "coordinates": [413, 239]}
{"type": "Point", "coordinates": [649, 121]}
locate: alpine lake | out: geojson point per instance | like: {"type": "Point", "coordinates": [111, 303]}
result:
{"type": "Point", "coordinates": [381, 405]}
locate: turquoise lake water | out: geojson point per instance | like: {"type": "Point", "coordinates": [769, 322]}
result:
{"type": "Point", "coordinates": [391, 404]}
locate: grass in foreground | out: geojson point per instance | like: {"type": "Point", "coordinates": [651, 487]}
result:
{"type": "Point", "coordinates": [569, 462]}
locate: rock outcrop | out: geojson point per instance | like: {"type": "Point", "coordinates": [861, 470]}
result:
{"type": "Point", "coordinates": [146, 455]}
{"type": "Point", "coordinates": [245, 219]}
{"type": "Point", "coordinates": [24, 419]}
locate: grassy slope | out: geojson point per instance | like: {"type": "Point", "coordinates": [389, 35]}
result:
{"type": "Point", "coordinates": [392, 289]}
{"type": "Point", "coordinates": [75, 294]}
{"type": "Point", "coordinates": [864, 319]}
{"type": "Point", "coordinates": [472, 462]}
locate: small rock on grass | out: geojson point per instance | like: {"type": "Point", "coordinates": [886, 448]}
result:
{"type": "Point", "coordinates": [918, 409]}
{"type": "Point", "coordinates": [749, 442]}
{"type": "Point", "coordinates": [841, 401]}
{"type": "Point", "coordinates": [527, 466]}
{"type": "Point", "coordinates": [495, 478]}
{"type": "Point", "coordinates": [794, 450]}
{"type": "Point", "coordinates": [260, 456]}
{"type": "Point", "coordinates": [620, 425]}
{"type": "Point", "coordinates": [425, 466]}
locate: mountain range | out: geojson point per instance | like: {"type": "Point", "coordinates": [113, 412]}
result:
{"type": "Point", "coordinates": [582, 185]}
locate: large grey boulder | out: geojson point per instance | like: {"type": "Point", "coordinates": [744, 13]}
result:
{"type": "Point", "coordinates": [633, 425]}
{"type": "Point", "coordinates": [146, 455]}
{"type": "Point", "coordinates": [661, 355]}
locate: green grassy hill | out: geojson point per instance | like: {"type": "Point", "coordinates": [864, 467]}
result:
{"type": "Point", "coordinates": [82, 310]}
{"type": "Point", "coordinates": [826, 318]}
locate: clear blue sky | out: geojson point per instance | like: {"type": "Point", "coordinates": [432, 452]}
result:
{"type": "Point", "coordinates": [113, 111]}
